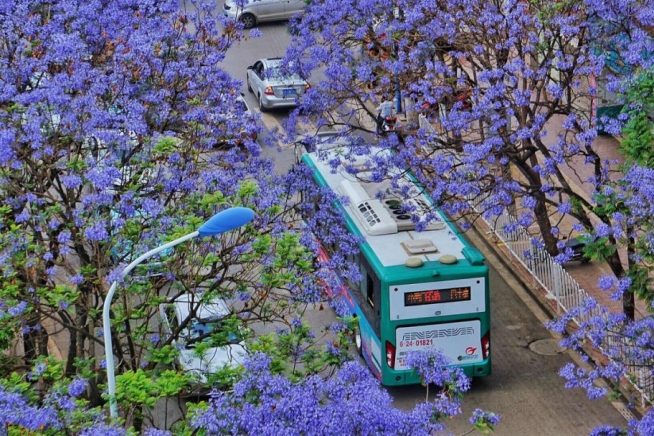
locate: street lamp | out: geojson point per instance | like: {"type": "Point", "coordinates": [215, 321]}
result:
{"type": "Point", "coordinates": [221, 222]}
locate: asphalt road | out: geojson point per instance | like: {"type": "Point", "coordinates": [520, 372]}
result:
{"type": "Point", "coordinates": [525, 388]}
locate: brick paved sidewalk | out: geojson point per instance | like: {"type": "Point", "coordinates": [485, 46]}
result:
{"type": "Point", "coordinates": [577, 174]}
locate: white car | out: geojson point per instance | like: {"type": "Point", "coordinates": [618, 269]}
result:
{"type": "Point", "coordinates": [272, 87]}
{"type": "Point", "coordinates": [258, 11]}
{"type": "Point", "coordinates": [207, 320]}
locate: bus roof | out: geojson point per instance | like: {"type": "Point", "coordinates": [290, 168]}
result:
{"type": "Point", "coordinates": [387, 220]}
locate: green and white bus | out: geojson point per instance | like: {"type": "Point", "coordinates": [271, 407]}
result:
{"type": "Point", "coordinates": [419, 289]}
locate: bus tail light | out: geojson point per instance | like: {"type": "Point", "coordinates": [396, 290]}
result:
{"type": "Point", "coordinates": [390, 355]}
{"type": "Point", "coordinates": [485, 345]}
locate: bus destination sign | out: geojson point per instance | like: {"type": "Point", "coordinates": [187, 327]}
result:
{"type": "Point", "coordinates": [435, 296]}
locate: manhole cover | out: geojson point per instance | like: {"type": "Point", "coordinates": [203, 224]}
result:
{"type": "Point", "coordinates": [546, 347]}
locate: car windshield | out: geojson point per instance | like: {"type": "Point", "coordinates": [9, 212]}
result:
{"type": "Point", "coordinates": [202, 329]}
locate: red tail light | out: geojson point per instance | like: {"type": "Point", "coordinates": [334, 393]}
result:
{"type": "Point", "coordinates": [390, 355]}
{"type": "Point", "coordinates": [485, 345]}
{"type": "Point", "coordinates": [307, 86]}
{"type": "Point", "coordinates": [269, 91]}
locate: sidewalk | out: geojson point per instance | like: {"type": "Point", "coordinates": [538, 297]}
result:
{"type": "Point", "coordinates": [577, 174]}
{"type": "Point", "coordinates": [586, 275]}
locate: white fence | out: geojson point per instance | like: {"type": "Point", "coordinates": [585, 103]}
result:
{"type": "Point", "coordinates": [559, 285]}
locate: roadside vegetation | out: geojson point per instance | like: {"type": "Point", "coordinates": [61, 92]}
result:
{"type": "Point", "coordinates": [110, 116]}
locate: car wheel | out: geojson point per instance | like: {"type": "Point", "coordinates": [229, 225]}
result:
{"type": "Point", "coordinates": [262, 108]}
{"type": "Point", "coordinates": [248, 21]}
{"type": "Point", "coordinates": [247, 79]}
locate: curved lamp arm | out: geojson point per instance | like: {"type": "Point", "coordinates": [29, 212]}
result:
{"type": "Point", "coordinates": [222, 222]}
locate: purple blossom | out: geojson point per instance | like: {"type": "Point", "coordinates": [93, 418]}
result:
{"type": "Point", "coordinates": [157, 432]}
{"type": "Point", "coordinates": [77, 387]}
{"type": "Point", "coordinates": [489, 418]}
{"type": "Point", "coordinates": [71, 181]}
{"type": "Point", "coordinates": [565, 207]}
{"type": "Point", "coordinates": [343, 404]}
{"type": "Point", "coordinates": [64, 237]}
{"type": "Point", "coordinates": [102, 429]}
{"type": "Point", "coordinates": [606, 282]}
{"type": "Point", "coordinates": [529, 202]}
{"type": "Point", "coordinates": [18, 309]}
{"type": "Point", "coordinates": [96, 232]}
{"type": "Point", "coordinates": [38, 370]}
{"type": "Point", "coordinates": [77, 279]}
{"type": "Point", "coordinates": [23, 216]}
{"type": "Point", "coordinates": [15, 411]}
{"type": "Point", "coordinates": [65, 403]}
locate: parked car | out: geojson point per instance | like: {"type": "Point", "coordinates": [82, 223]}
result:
{"type": "Point", "coordinates": [259, 11]}
{"type": "Point", "coordinates": [204, 325]}
{"type": "Point", "coordinates": [273, 87]}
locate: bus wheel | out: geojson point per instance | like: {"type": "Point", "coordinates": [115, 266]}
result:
{"type": "Point", "coordinates": [357, 340]}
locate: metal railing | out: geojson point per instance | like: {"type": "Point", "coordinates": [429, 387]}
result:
{"type": "Point", "coordinates": [557, 283]}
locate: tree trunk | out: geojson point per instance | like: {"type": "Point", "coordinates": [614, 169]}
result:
{"type": "Point", "coordinates": [35, 341]}
{"type": "Point", "coordinates": [628, 300]}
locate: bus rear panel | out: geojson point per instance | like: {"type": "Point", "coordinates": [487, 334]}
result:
{"type": "Point", "coordinates": [419, 290]}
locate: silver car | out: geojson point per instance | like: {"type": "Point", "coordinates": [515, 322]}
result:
{"type": "Point", "coordinates": [272, 87]}
{"type": "Point", "coordinates": [206, 320]}
{"type": "Point", "coordinates": [258, 11]}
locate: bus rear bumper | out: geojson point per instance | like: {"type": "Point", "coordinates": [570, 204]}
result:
{"type": "Point", "coordinates": [402, 378]}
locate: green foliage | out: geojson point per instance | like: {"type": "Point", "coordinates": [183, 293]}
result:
{"type": "Point", "coordinates": [599, 248]}
{"type": "Point", "coordinates": [165, 145]}
{"type": "Point", "coordinates": [136, 388]}
{"type": "Point", "coordinates": [17, 383]}
{"type": "Point", "coordinates": [289, 259]}
{"type": "Point", "coordinates": [638, 142]}
{"type": "Point", "coordinates": [296, 353]}
{"type": "Point", "coordinates": [171, 383]}
{"type": "Point", "coordinates": [165, 354]}
{"type": "Point", "coordinates": [640, 281]}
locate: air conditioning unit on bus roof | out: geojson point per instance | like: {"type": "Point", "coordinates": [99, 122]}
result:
{"type": "Point", "coordinates": [383, 217]}
{"type": "Point", "coordinates": [368, 211]}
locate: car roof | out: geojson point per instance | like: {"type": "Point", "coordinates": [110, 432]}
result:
{"type": "Point", "coordinates": [207, 310]}
{"type": "Point", "coordinates": [271, 62]}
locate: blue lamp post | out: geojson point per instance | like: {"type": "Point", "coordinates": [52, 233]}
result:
{"type": "Point", "coordinates": [220, 223]}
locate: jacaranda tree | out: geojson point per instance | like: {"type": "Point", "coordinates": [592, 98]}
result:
{"type": "Point", "coordinates": [264, 402]}
{"type": "Point", "coordinates": [118, 132]}
{"type": "Point", "coordinates": [506, 92]}
{"type": "Point", "coordinates": [505, 89]}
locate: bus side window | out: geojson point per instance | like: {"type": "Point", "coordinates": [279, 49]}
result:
{"type": "Point", "coordinates": [370, 290]}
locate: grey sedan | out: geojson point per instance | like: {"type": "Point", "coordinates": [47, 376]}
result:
{"type": "Point", "coordinates": [272, 87]}
{"type": "Point", "coordinates": [252, 12]}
